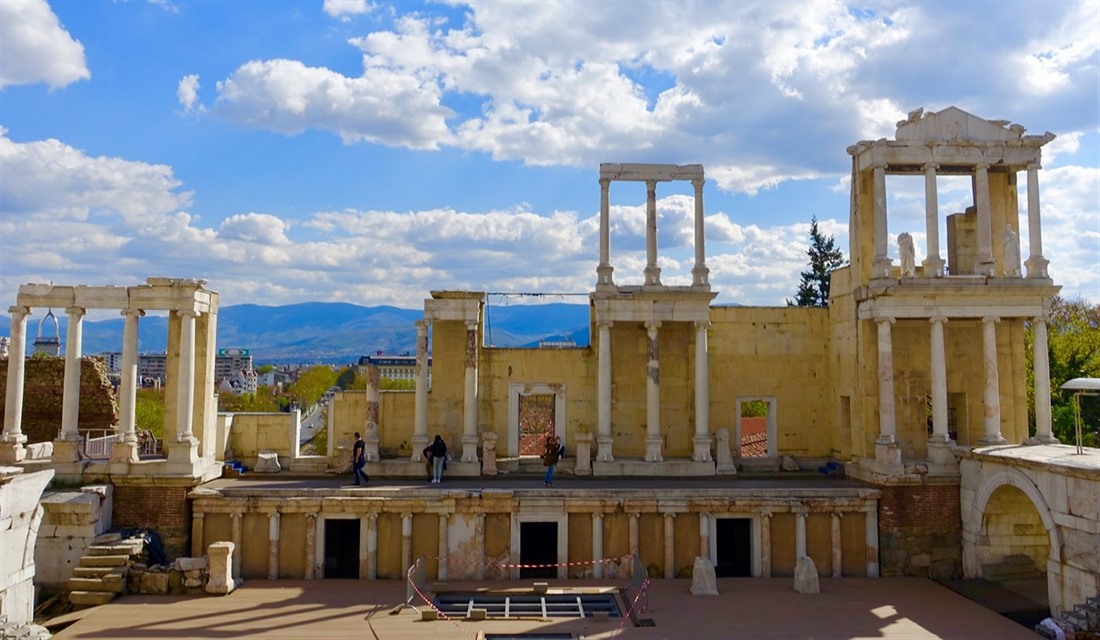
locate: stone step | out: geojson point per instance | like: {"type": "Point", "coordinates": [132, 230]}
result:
{"type": "Point", "coordinates": [131, 547]}
{"type": "Point", "coordinates": [105, 561]}
{"type": "Point", "coordinates": [113, 583]}
{"type": "Point", "coordinates": [99, 572]}
{"type": "Point", "coordinates": [84, 599]}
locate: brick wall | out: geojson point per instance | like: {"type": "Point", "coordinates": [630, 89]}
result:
{"type": "Point", "coordinates": [164, 509]}
{"type": "Point", "coordinates": [920, 531]}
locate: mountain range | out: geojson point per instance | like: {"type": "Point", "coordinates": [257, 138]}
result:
{"type": "Point", "coordinates": [327, 332]}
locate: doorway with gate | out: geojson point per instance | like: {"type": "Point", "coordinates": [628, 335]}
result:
{"type": "Point", "coordinates": [534, 412]}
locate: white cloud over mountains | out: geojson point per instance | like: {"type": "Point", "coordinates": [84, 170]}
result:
{"type": "Point", "coordinates": [34, 47]}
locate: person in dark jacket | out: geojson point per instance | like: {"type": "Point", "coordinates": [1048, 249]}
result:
{"type": "Point", "coordinates": [439, 458]}
{"type": "Point", "coordinates": [359, 460]}
{"type": "Point", "coordinates": [550, 455]}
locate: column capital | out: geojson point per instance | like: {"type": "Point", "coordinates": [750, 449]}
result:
{"type": "Point", "coordinates": [766, 515]}
{"type": "Point", "coordinates": [236, 514]}
{"type": "Point", "coordinates": [471, 325]}
{"type": "Point", "coordinates": [1045, 319]}
{"type": "Point", "coordinates": [651, 185]}
{"type": "Point", "coordinates": [838, 514]}
{"type": "Point", "coordinates": [991, 319]}
{"type": "Point", "coordinates": [887, 319]}
{"type": "Point", "coordinates": [372, 516]}
{"type": "Point", "coordinates": [1034, 166]}
{"type": "Point", "coordinates": [423, 323]}
{"type": "Point", "coordinates": [982, 166]}
{"type": "Point", "coordinates": [651, 326]}
{"type": "Point", "coordinates": [605, 183]}
{"type": "Point", "coordinates": [312, 515]}
{"type": "Point", "coordinates": [130, 311]}
{"type": "Point", "coordinates": [930, 167]}
{"type": "Point", "coordinates": [75, 311]}
{"type": "Point", "coordinates": [188, 313]}
{"type": "Point", "coordinates": [604, 324]}
{"type": "Point", "coordinates": [597, 515]}
{"type": "Point", "coordinates": [19, 310]}
{"type": "Point", "coordinates": [668, 514]}
{"type": "Point", "coordinates": [702, 325]}
{"type": "Point", "coordinates": [698, 183]}
{"type": "Point", "coordinates": [938, 319]}
{"type": "Point", "coordinates": [878, 165]}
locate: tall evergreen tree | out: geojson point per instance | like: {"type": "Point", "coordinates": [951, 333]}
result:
{"type": "Point", "coordinates": [813, 291]}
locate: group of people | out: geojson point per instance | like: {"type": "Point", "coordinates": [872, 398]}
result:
{"type": "Point", "coordinates": [436, 456]}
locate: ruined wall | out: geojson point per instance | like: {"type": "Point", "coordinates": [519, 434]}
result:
{"type": "Point", "coordinates": [920, 531]}
{"type": "Point", "coordinates": [254, 432]}
{"type": "Point", "coordinates": [43, 390]}
{"type": "Point", "coordinates": [165, 508]}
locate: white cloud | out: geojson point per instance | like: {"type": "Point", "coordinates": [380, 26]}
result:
{"type": "Point", "coordinates": [34, 47]}
{"type": "Point", "coordinates": [188, 92]}
{"type": "Point", "coordinates": [343, 9]}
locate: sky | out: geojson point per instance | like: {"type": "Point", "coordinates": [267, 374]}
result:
{"type": "Point", "coordinates": [371, 152]}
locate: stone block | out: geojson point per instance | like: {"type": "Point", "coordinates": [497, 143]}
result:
{"type": "Point", "coordinates": [1081, 549]}
{"type": "Point", "coordinates": [105, 561]}
{"type": "Point", "coordinates": [789, 464]}
{"type": "Point", "coordinates": [39, 451]}
{"type": "Point", "coordinates": [191, 564]}
{"type": "Point", "coordinates": [220, 561]}
{"type": "Point", "coordinates": [805, 576]}
{"type": "Point", "coordinates": [704, 582]}
{"type": "Point", "coordinates": [921, 560]}
{"type": "Point", "coordinates": [267, 462]}
{"type": "Point", "coordinates": [154, 583]}
{"type": "Point", "coordinates": [91, 598]}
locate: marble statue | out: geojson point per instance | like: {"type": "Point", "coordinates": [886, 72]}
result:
{"type": "Point", "coordinates": [1011, 253]}
{"type": "Point", "coordinates": [908, 257]}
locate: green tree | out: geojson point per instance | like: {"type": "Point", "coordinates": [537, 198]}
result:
{"type": "Point", "coordinates": [263, 400]}
{"type": "Point", "coordinates": [813, 291]}
{"type": "Point", "coordinates": [264, 368]}
{"type": "Point", "coordinates": [1073, 349]}
{"type": "Point", "coordinates": [149, 411]}
{"type": "Point", "coordinates": [312, 384]}
{"type": "Point", "coordinates": [346, 378]}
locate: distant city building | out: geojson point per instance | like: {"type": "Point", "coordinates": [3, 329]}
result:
{"type": "Point", "coordinates": [402, 367]}
{"type": "Point", "coordinates": [273, 379]}
{"type": "Point", "coordinates": [230, 361]}
{"type": "Point", "coordinates": [561, 343]}
{"type": "Point", "coordinates": [47, 344]}
{"type": "Point", "coordinates": [4, 346]}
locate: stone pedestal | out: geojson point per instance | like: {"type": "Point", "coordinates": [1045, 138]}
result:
{"type": "Point", "coordinates": [583, 466]}
{"type": "Point", "coordinates": [725, 465]}
{"type": "Point", "coordinates": [469, 448]}
{"type": "Point", "coordinates": [489, 454]}
{"type": "Point", "coordinates": [888, 456]}
{"type": "Point", "coordinates": [603, 444]}
{"type": "Point", "coordinates": [267, 462]}
{"type": "Point", "coordinates": [12, 452]}
{"type": "Point", "coordinates": [940, 452]}
{"type": "Point", "coordinates": [653, 445]}
{"type": "Point", "coordinates": [371, 440]}
{"type": "Point", "coordinates": [704, 582]}
{"type": "Point", "coordinates": [418, 444]}
{"type": "Point", "coordinates": [124, 453]}
{"type": "Point", "coordinates": [702, 448]}
{"type": "Point", "coordinates": [220, 561]}
{"type": "Point", "coordinates": [67, 451]}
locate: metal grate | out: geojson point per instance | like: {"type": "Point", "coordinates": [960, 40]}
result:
{"type": "Point", "coordinates": [565, 605]}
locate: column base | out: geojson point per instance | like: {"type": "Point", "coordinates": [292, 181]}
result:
{"type": "Point", "coordinates": [469, 448]}
{"type": "Point", "coordinates": [652, 276]}
{"type": "Point", "coordinates": [418, 444]}
{"type": "Point", "coordinates": [12, 452]}
{"type": "Point", "coordinates": [887, 454]}
{"type": "Point", "coordinates": [933, 267]}
{"type": "Point", "coordinates": [653, 446]}
{"type": "Point", "coordinates": [1037, 267]}
{"type": "Point", "coordinates": [1042, 439]}
{"type": "Point", "coordinates": [992, 441]}
{"type": "Point", "coordinates": [702, 448]}
{"type": "Point", "coordinates": [124, 453]}
{"type": "Point", "coordinates": [603, 448]}
{"type": "Point", "coordinates": [66, 451]}
{"type": "Point", "coordinates": [183, 453]}
{"type": "Point", "coordinates": [604, 279]}
{"type": "Point", "coordinates": [986, 266]}
{"type": "Point", "coordinates": [700, 278]}
{"type": "Point", "coordinates": [882, 267]}
{"type": "Point", "coordinates": [939, 451]}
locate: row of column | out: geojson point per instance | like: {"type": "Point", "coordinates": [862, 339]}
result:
{"type": "Point", "coordinates": [990, 390]}
{"type": "Point", "coordinates": [67, 445]}
{"type": "Point", "coordinates": [469, 407]}
{"type": "Point", "coordinates": [654, 441]}
{"type": "Point", "coordinates": [699, 273]}
{"type": "Point", "coordinates": [934, 263]}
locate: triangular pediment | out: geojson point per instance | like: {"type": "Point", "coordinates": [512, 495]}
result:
{"type": "Point", "coordinates": [955, 124]}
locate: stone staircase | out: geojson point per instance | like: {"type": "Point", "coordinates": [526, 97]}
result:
{"type": "Point", "coordinates": [13, 631]}
{"type": "Point", "coordinates": [1085, 616]}
{"type": "Point", "coordinates": [1012, 567]}
{"type": "Point", "coordinates": [101, 576]}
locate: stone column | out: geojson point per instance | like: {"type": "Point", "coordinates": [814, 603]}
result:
{"type": "Point", "coordinates": [479, 547]}
{"type": "Point", "coordinates": [364, 547]}
{"type": "Point", "coordinates": [604, 439]}
{"type": "Point", "coordinates": [871, 535]}
{"type": "Point", "coordinates": [837, 545]}
{"type": "Point", "coordinates": [632, 537]}
{"type": "Point", "coordinates": [991, 396]}
{"type": "Point", "coordinates": [273, 535]}
{"type": "Point", "coordinates": [469, 414]}
{"type": "Point", "coordinates": [371, 436]}
{"type": "Point", "coordinates": [127, 450]}
{"type": "Point", "coordinates": [70, 401]}
{"type": "Point", "coordinates": [800, 534]}
{"type": "Point", "coordinates": [1036, 264]}
{"type": "Point", "coordinates": [700, 273]}
{"type": "Point", "coordinates": [311, 546]}
{"type": "Point", "coordinates": [702, 395]}
{"type": "Point", "coordinates": [1041, 368]}
{"type": "Point", "coordinates": [443, 547]}
{"type": "Point", "coordinates": [406, 542]}
{"type": "Point", "coordinates": [986, 265]}
{"type": "Point", "coordinates": [235, 532]}
{"type": "Point", "coordinates": [933, 263]}
{"type": "Point", "coordinates": [882, 265]}
{"type": "Point", "coordinates": [597, 545]}
{"type": "Point", "coordinates": [670, 545]}
{"type": "Point", "coordinates": [372, 545]}
{"type": "Point", "coordinates": [886, 448]}
{"type": "Point", "coordinates": [184, 449]}
{"type": "Point", "coordinates": [704, 535]}
{"type": "Point", "coordinates": [420, 419]}
{"type": "Point", "coordinates": [11, 444]}
{"type": "Point", "coordinates": [939, 444]}
{"type": "Point", "coordinates": [198, 529]}
{"type": "Point", "coordinates": [653, 440]}
{"type": "Point", "coordinates": [652, 271]}
{"type": "Point", "coordinates": [604, 270]}
{"type": "Point", "coordinates": [766, 544]}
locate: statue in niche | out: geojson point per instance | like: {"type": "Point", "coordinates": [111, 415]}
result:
{"type": "Point", "coordinates": [1011, 243]}
{"type": "Point", "coordinates": [908, 256]}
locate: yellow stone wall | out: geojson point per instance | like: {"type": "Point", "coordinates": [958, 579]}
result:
{"type": "Point", "coordinates": [783, 544]}
{"type": "Point", "coordinates": [686, 547]}
{"type": "Point", "coordinates": [389, 546]}
{"type": "Point", "coordinates": [853, 545]}
{"type": "Point", "coordinates": [580, 541]}
{"type": "Point", "coordinates": [445, 404]}
{"type": "Point", "coordinates": [819, 542]}
{"type": "Point", "coordinates": [425, 541]}
{"type": "Point", "coordinates": [254, 526]}
{"type": "Point", "coordinates": [292, 534]}
{"type": "Point", "coordinates": [255, 432]}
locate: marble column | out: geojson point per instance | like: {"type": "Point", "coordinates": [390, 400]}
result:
{"type": "Point", "coordinates": [704, 535]}
{"type": "Point", "coordinates": [670, 545]}
{"type": "Point", "coordinates": [882, 265]}
{"type": "Point", "coordinates": [837, 545]}
{"type": "Point", "coordinates": [765, 545]}
{"type": "Point", "coordinates": [444, 546]}
{"type": "Point", "coordinates": [1041, 368]}
{"type": "Point", "coordinates": [67, 446]}
{"type": "Point", "coordinates": [273, 535]}
{"type": "Point", "coordinates": [933, 263]}
{"type": "Point", "coordinates": [653, 440]}
{"type": "Point", "coordinates": [800, 534]}
{"type": "Point", "coordinates": [597, 545]}
{"type": "Point", "coordinates": [939, 444]}
{"type": "Point", "coordinates": [479, 547]}
{"type": "Point", "coordinates": [1036, 264]}
{"type": "Point", "coordinates": [372, 545]}
{"type": "Point", "coordinates": [604, 270]}
{"type": "Point", "coordinates": [127, 450]}
{"type": "Point", "coordinates": [469, 414]}
{"type": "Point", "coordinates": [364, 547]}
{"type": "Point", "coordinates": [11, 443]}
{"type": "Point", "coordinates": [652, 271]}
{"type": "Point", "coordinates": [871, 535]}
{"type": "Point", "coordinates": [702, 395]}
{"type": "Point", "coordinates": [632, 538]}
{"type": "Point", "coordinates": [420, 415]}
{"type": "Point", "coordinates": [700, 274]}
{"type": "Point", "coordinates": [985, 264]}
{"type": "Point", "coordinates": [406, 542]}
{"type": "Point", "coordinates": [371, 434]}
{"type": "Point", "coordinates": [604, 439]}
{"type": "Point", "coordinates": [183, 449]}
{"type": "Point", "coordinates": [235, 532]}
{"type": "Point", "coordinates": [991, 396]}
{"type": "Point", "coordinates": [198, 529]}
{"type": "Point", "coordinates": [311, 546]}
{"type": "Point", "coordinates": [886, 448]}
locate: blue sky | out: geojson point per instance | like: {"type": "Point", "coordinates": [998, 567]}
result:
{"type": "Point", "coordinates": [370, 152]}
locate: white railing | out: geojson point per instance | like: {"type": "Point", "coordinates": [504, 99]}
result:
{"type": "Point", "coordinates": [100, 448]}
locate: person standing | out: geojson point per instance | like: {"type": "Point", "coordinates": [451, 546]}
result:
{"type": "Point", "coordinates": [550, 455]}
{"type": "Point", "coordinates": [359, 459]}
{"type": "Point", "coordinates": [439, 458]}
